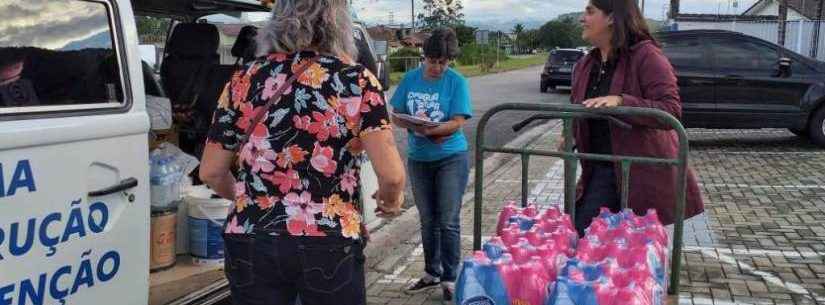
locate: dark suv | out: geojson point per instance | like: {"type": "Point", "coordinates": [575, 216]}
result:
{"type": "Point", "coordinates": [731, 80]}
{"type": "Point", "coordinates": [559, 68]}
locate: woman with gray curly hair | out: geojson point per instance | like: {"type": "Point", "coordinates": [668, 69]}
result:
{"type": "Point", "coordinates": [296, 121]}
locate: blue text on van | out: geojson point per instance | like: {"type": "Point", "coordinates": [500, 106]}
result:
{"type": "Point", "coordinates": [21, 178]}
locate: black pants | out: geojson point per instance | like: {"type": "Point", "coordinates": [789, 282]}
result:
{"type": "Point", "coordinates": [601, 192]}
{"type": "Point", "coordinates": [267, 270]}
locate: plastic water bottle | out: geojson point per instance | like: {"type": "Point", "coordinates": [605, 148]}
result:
{"type": "Point", "coordinates": [494, 248]}
{"type": "Point", "coordinates": [164, 178]}
{"type": "Point", "coordinates": [511, 234]}
{"type": "Point", "coordinates": [534, 280]}
{"type": "Point", "coordinates": [510, 274]}
{"type": "Point", "coordinates": [510, 210]}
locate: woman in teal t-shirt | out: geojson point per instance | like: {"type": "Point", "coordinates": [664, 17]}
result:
{"type": "Point", "coordinates": [437, 156]}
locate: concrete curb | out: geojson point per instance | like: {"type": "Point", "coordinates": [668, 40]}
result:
{"type": "Point", "coordinates": [385, 241]}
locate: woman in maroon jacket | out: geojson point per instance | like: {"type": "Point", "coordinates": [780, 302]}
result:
{"type": "Point", "coordinates": [626, 68]}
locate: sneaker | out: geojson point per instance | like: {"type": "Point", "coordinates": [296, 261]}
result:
{"type": "Point", "coordinates": [423, 284]}
{"type": "Point", "coordinates": [447, 289]}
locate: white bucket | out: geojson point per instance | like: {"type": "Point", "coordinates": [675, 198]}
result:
{"type": "Point", "coordinates": [206, 219]}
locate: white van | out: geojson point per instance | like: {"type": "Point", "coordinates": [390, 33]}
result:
{"type": "Point", "coordinates": [74, 143]}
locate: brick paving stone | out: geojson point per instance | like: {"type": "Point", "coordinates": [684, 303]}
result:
{"type": "Point", "coordinates": [761, 240]}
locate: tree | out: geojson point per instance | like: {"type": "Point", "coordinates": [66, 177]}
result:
{"type": "Point", "coordinates": [466, 34]}
{"type": "Point", "coordinates": [440, 13]}
{"type": "Point", "coordinates": [518, 29]}
{"type": "Point", "coordinates": [530, 39]}
{"type": "Point", "coordinates": [564, 33]}
{"type": "Point", "coordinates": [152, 29]}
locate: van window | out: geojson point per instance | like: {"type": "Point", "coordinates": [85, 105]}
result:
{"type": "Point", "coordinates": [56, 53]}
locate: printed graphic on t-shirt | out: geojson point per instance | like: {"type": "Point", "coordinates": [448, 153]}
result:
{"type": "Point", "coordinates": [425, 105]}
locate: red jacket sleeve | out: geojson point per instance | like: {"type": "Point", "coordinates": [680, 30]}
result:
{"type": "Point", "coordinates": [659, 90]}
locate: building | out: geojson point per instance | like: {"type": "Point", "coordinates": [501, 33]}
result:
{"type": "Point", "coordinates": [719, 22]}
{"type": "Point", "coordinates": [797, 9]}
{"type": "Point", "coordinates": [397, 37]}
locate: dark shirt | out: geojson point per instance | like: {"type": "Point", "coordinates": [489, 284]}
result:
{"type": "Point", "coordinates": [598, 85]}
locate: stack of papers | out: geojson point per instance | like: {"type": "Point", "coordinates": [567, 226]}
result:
{"type": "Point", "coordinates": [416, 121]}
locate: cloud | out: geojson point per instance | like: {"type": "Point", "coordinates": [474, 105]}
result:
{"type": "Point", "coordinates": [49, 24]}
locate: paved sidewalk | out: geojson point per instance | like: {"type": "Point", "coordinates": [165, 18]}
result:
{"type": "Point", "coordinates": [761, 240]}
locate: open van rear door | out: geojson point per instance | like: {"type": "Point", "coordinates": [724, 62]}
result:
{"type": "Point", "coordinates": [74, 192]}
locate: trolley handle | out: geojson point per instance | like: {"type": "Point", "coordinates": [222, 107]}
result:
{"type": "Point", "coordinates": [543, 117]}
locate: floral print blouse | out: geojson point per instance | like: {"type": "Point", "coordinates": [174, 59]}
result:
{"type": "Point", "coordinates": [296, 174]}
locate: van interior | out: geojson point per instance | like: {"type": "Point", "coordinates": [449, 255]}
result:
{"type": "Point", "coordinates": [193, 68]}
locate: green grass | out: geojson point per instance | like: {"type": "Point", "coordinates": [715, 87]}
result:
{"type": "Point", "coordinates": [503, 66]}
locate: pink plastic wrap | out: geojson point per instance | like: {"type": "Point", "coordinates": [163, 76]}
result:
{"type": "Point", "coordinates": [621, 260]}
{"type": "Point", "coordinates": [530, 211]}
{"type": "Point", "coordinates": [509, 210]}
{"type": "Point", "coordinates": [511, 234]}
{"type": "Point", "coordinates": [522, 251]}
{"type": "Point", "coordinates": [510, 273]}
{"type": "Point", "coordinates": [533, 287]}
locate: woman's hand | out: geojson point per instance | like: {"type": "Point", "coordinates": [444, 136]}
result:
{"type": "Point", "coordinates": [386, 161]}
{"type": "Point", "coordinates": [603, 102]}
{"type": "Point", "coordinates": [435, 134]}
{"type": "Point", "coordinates": [388, 204]}
{"type": "Point", "coordinates": [444, 131]}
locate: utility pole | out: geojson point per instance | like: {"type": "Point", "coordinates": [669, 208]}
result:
{"type": "Point", "coordinates": [412, 21]}
{"type": "Point", "coordinates": [498, 47]}
{"type": "Point", "coordinates": [643, 8]}
{"type": "Point", "coordinates": [783, 17]}
{"type": "Point", "coordinates": [817, 24]}
{"type": "Point", "coordinates": [674, 9]}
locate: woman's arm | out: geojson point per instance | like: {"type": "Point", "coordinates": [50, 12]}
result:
{"type": "Point", "coordinates": [215, 170]}
{"type": "Point", "coordinates": [381, 149]}
{"type": "Point", "coordinates": [448, 128]}
{"type": "Point", "coordinates": [659, 90]}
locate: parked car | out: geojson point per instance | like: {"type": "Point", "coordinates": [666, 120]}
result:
{"type": "Point", "coordinates": [731, 80]}
{"type": "Point", "coordinates": [559, 68]}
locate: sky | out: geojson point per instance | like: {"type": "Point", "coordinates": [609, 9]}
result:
{"type": "Point", "coordinates": [49, 24]}
{"type": "Point", "coordinates": [491, 13]}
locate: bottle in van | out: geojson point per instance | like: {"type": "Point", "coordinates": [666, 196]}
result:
{"type": "Point", "coordinates": [164, 179]}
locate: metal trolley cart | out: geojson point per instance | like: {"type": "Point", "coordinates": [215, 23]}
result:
{"type": "Point", "coordinates": [568, 113]}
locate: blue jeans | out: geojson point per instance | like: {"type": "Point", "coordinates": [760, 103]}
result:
{"type": "Point", "coordinates": [266, 270]}
{"type": "Point", "coordinates": [438, 187]}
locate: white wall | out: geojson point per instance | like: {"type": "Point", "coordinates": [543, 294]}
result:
{"type": "Point", "coordinates": [794, 40]}
{"type": "Point", "coordinates": [772, 9]}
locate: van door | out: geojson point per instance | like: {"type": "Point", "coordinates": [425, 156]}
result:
{"type": "Point", "coordinates": [74, 207]}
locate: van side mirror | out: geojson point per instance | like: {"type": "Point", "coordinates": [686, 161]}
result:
{"type": "Point", "coordinates": [783, 67]}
